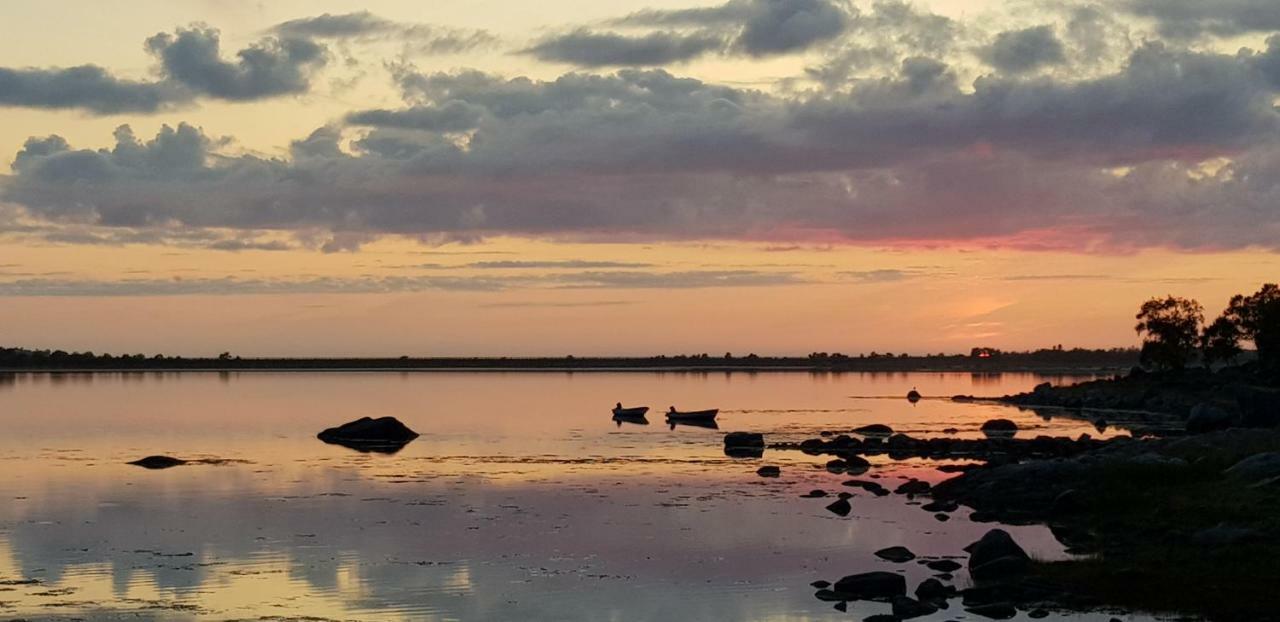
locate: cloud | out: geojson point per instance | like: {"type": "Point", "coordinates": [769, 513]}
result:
{"type": "Point", "coordinates": [594, 49]}
{"type": "Point", "coordinates": [1020, 51]}
{"type": "Point", "coordinates": [87, 87]}
{"type": "Point", "coordinates": [367, 27]}
{"type": "Point", "coordinates": [757, 27]}
{"type": "Point", "coordinates": [451, 116]}
{"type": "Point", "coordinates": [1191, 18]}
{"type": "Point", "coordinates": [572, 263]}
{"type": "Point", "coordinates": [271, 67]}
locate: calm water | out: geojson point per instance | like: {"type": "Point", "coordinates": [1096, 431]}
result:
{"type": "Point", "coordinates": [522, 499]}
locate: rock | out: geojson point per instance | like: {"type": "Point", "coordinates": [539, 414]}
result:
{"type": "Point", "coordinates": [158, 462]}
{"type": "Point", "coordinates": [913, 396]}
{"type": "Point", "coordinates": [1255, 468]}
{"type": "Point", "coordinates": [829, 595]}
{"type": "Point", "coordinates": [881, 617]}
{"type": "Point", "coordinates": [840, 507]}
{"type": "Point", "coordinates": [1069, 501]}
{"type": "Point", "coordinates": [744, 439]}
{"type": "Point", "coordinates": [836, 466]}
{"type": "Point", "coordinates": [1208, 417]}
{"type": "Point", "coordinates": [871, 487]}
{"type": "Point", "coordinates": [821, 584]}
{"type": "Point", "coordinates": [994, 611]}
{"type": "Point", "coordinates": [844, 495]}
{"type": "Point", "coordinates": [996, 556]}
{"type": "Point", "coordinates": [855, 465]}
{"type": "Point", "coordinates": [384, 435]}
{"type": "Point", "coordinates": [875, 429]}
{"type": "Point", "coordinates": [913, 487]}
{"type": "Point", "coordinates": [1038, 614]}
{"type": "Point", "coordinates": [940, 517]}
{"type": "Point", "coordinates": [905, 608]}
{"type": "Point", "coordinates": [933, 589]}
{"type": "Point", "coordinates": [1225, 535]}
{"type": "Point", "coordinates": [944, 565]}
{"type": "Point", "coordinates": [999, 428]}
{"type": "Point", "coordinates": [841, 606]}
{"type": "Point", "coordinates": [896, 554]}
{"type": "Point", "coordinates": [872, 585]}
{"type": "Point", "coordinates": [812, 446]}
{"type": "Point", "coordinates": [769, 471]}
{"type": "Point", "coordinates": [1259, 407]}
{"type": "Point", "coordinates": [816, 493]}
{"type": "Point", "coordinates": [940, 506]}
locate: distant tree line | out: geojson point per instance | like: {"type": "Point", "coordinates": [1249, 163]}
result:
{"type": "Point", "coordinates": [1174, 333]}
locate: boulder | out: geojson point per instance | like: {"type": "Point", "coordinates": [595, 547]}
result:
{"type": "Point", "coordinates": [933, 590]}
{"type": "Point", "coordinates": [158, 462]}
{"type": "Point", "coordinates": [875, 429]}
{"type": "Point", "coordinates": [384, 434]}
{"type": "Point", "coordinates": [996, 556]}
{"type": "Point", "coordinates": [913, 487]}
{"type": "Point", "coordinates": [896, 554]}
{"type": "Point", "coordinates": [944, 565]}
{"type": "Point", "coordinates": [743, 439]}
{"type": "Point", "coordinates": [1259, 407]}
{"type": "Point", "coordinates": [1067, 502]}
{"type": "Point", "coordinates": [816, 493]}
{"type": "Point", "coordinates": [840, 507]}
{"type": "Point", "coordinates": [1255, 468]}
{"type": "Point", "coordinates": [999, 428]}
{"type": "Point", "coordinates": [769, 471]}
{"type": "Point", "coordinates": [872, 586]}
{"type": "Point", "coordinates": [1208, 417]}
{"type": "Point", "coordinates": [994, 611]}
{"type": "Point", "coordinates": [905, 608]}
{"type": "Point", "coordinates": [820, 584]}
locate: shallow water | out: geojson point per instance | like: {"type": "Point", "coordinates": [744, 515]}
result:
{"type": "Point", "coordinates": [522, 499]}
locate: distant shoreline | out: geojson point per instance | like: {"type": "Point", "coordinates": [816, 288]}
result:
{"type": "Point", "coordinates": [1045, 371]}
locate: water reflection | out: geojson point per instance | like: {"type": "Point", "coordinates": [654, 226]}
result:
{"type": "Point", "coordinates": [522, 499]}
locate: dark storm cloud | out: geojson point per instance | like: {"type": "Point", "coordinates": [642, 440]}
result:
{"type": "Point", "coordinates": [1019, 51]}
{"type": "Point", "coordinates": [594, 49]}
{"type": "Point", "coordinates": [451, 116]}
{"type": "Point", "coordinates": [758, 27]}
{"type": "Point", "coordinates": [1190, 18]}
{"type": "Point", "coordinates": [271, 67]}
{"type": "Point", "coordinates": [87, 87]}
{"type": "Point", "coordinates": [363, 25]}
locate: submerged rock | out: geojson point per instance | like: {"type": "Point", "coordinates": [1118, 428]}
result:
{"type": "Point", "coordinates": [384, 434]}
{"type": "Point", "coordinates": [944, 565]}
{"type": "Point", "coordinates": [872, 585]}
{"type": "Point", "coordinates": [934, 590]}
{"type": "Point", "coordinates": [994, 611]}
{"type": "Point", "coordinates": [158, 462]}
{"type": "Point", "coordinates": [913, 487]}
{"type": "Point", "coordinates": [875, 429]}
{"type": "Point", "coordinates": [999, 427]}
{"type": "Point", "coordinates": [816, 493]}
{"type": "Point", "coordinates": [905, 608]}
{"type": "Point", "coordinates": [769, 471]}
{"type": "Point", "coordinates": [896, 554]}
{"type": "Point", "coordinates": [996, 556]}
{"type": "Point", "coordinates": [840, 507]}
{"type": "Point", "coordinates": [744, 444]}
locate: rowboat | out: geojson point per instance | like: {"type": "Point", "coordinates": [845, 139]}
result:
{"type": "Point", "coordinates": [692, 415]}
{"type": "Point", "coordinates": [634, 411]}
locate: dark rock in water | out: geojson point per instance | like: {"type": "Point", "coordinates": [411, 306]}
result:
{"type": "Point", "coordinates": [942, 517]}
{"type": "Point", "coordinates": [844, 495]}
{"type": "Point", "coordinates": [383, 435]}
{"type": "Point", "coordinates": [940, 506]}
{"type": "Point", "coordinates": [944, 565]}
{"type": "Point", "coordinates": [871, 487]}
{"type": "Point", "coordinates": [872, 585]}
{"type": "Point", "coordinates": [1038, 614]}
{"type": "Point", "coordinates": [882, 617]}
{"type": "Point", "coordinates": [1207, 417]}
{"type": "Point", "coordinates": [836, 466]}
{"type": "Point", "coordinates": [933, 589]}
{"type": "Point", "coordinates": [896, 554]}
{"type": "Point", "coordinates": [813, 446]}
{"type": "Point", "coordinates": [951, 431]}
{"type": "Point", "coordinates": [997, 556]}
{"type": "Point", "coordinates": [841, 606]}
{"type": "Point", "coordinates": [1255, 468]}
{"type": "Point", "coordinates": [744, 445]}
{"type": "Point", "coordinates": [840, 507]}
{"type": "Point", "coordinates": [829, 595]}
{"type": "Point", "coordinates": [999, 428]}
{"type": "Point", "coordinates": [1225, 535]}
{"type": "Point", "coordinates": [821, 584]}
{"type": "Point", "coordinates": [855, 464]}
{"type": "Point", "coordinates": [913, 487]}
{"type": "Point", "coordinates": [158, 462]}
{"type": "Point", "coordinates": [905, 608]}
{"type": "Point", "coordinates": [769, 471]}
{"type": "Point", "coordinates": [816, 493]}
{"type": "Point", "coordinates": [743, 439]}
{"type": "Point", "coordinates": [994, 611]}
{"type": "Point", "coordinates": [875, 429]}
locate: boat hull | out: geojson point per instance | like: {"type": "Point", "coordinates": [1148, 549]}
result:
{"type": "Point", "coordinates": [638, 411]}
{"type": "Point", "coordinates": [693, 415]}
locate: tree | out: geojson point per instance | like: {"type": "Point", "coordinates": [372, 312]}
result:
{"type": "Point", "coordinates": [1171, 331]}
{"type": "Point", "coordinates": [1257, 318]}
{"type": "Point", "coordinates": [1220, 342]}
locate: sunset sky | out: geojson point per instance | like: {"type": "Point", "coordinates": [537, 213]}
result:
{"type": "Point", "coordinates": [632, 177]}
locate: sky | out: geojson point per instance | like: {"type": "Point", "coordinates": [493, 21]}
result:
{"type": "Point", "coordinates": [628, 177]}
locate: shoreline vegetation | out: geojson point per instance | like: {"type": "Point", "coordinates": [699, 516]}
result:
{"type": "Point", "coordinates": [1050, 361]}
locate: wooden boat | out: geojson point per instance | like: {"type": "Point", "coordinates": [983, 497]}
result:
{"type": "Point", "coordinates": [693, 415]}
{"type": "Point", "coordinates": [634, 411]}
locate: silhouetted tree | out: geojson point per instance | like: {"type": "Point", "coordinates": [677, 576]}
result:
{"type": "Point", "coordinates": [1220, 342]}
{"type": "Point", "coordinates": [1171, 331]}
{"type": "Point", "coordinates": [1257, 318]}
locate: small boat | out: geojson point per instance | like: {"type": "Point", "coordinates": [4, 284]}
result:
{"type": "Point", "coordinates": [634, 411]}
{"type": "Point", "coordinates": [692, 415]}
